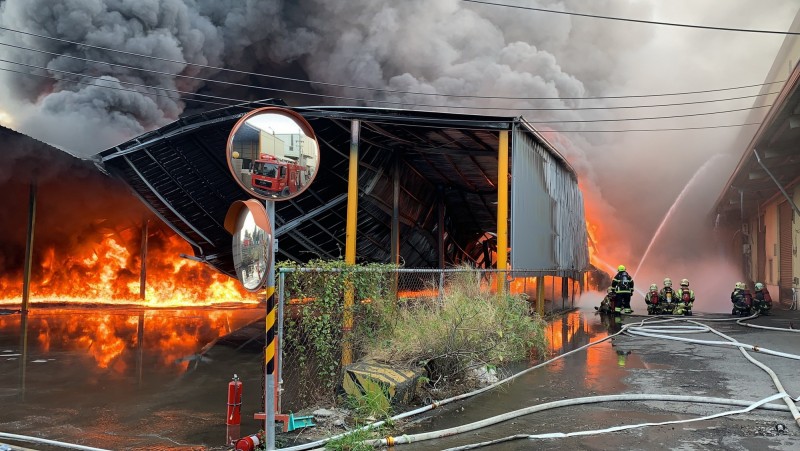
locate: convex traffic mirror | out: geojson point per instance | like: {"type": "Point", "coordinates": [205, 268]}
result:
{"type": "Point", "coordinates": [273, 153]}
{"type": "Point", "coordinates": [252, 242]}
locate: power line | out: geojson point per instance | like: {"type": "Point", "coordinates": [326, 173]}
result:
{"type": "Point", "coordinates": [322, 114]}
{"type": "Point", "coordinates": [123, 82]}
{"type": "Point", "coordinates": [326, 114]}
{"type": "Point", "coordinates": [649, 118]}
{"type": "Point", "coordinates": [234, 100]}
{"type": "Point", "coordinates": [114, 87]}
{"type": "Point", "coordinates": [624, 19]}
{"type": "Point", "coordinates": [249, 86]}
{"type": "Point", "coordinates": [387, 91]}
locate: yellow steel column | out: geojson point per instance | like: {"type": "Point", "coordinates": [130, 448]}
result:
{"type": "Point", "coordinates": [540, 295]}
{"type": "Point", "coordinates": [352, 195]}
{"type": "Point", "coordinates": [350, 241]}
{"type": "Point", "coordinates": [502, 208]}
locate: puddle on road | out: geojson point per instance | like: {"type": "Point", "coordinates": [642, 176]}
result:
{"type": "Point", "coordinates": [597, 370]}
{"type": "Point", "coordinates": [119, 378]}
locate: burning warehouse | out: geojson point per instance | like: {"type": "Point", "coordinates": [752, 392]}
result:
{"type": "Point", "coordinates": [87, 237]}
{"type": "Point", "coordinates": [434, 190]}
{"type": "Point", "coordinates": [428, 198]}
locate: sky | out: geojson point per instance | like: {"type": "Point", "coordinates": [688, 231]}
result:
{"type": "Point", "coordinates": [444, 48]}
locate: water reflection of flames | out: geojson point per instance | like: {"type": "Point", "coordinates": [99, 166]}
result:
{"type": "Point", "coordinates": [571, 332]}
{"type": "Point", "coordinates": [107, 271]}
{"type": "Point", "coordinates": [110, 339]}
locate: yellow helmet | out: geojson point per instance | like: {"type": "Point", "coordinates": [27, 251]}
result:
{"type": "Point", "coordinates": [621, 268]}
{"type": "Point", "coordinates": [654, 287]}
{"type": "Point", "coordinates": [667, 282]}
{"type": "Point", "coordinates": [684, 282]}
{"type": "Point", "coordinates": [759, 286]}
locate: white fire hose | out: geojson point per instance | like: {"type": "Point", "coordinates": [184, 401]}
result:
{"type": "Point", "coordinates": [634, 329]}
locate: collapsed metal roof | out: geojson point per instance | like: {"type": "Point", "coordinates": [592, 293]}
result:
{"type": "Point", "coordinates": [181, 172]}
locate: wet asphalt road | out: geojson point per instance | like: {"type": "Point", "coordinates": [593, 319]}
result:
{"type": "Point", "coordinates": [640, 365]}
{"type": "Point", "coordinates": [87, 380]}
{"type": "Point", "coordinates": [125, 379]}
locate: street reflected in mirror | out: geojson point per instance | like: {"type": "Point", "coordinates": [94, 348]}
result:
{"type": "Point", "coordinates": [273, 153]}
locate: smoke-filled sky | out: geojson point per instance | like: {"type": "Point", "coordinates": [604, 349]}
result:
{"type": "Point", "coordinates": [630, 180]}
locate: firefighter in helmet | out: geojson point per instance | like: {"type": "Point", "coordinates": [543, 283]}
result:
{"type": "Point", "coordinates": [651, 299]}
{"type": "Point", "coordinates": [685, 298]}
{"type": "Point", "coordinates": [667, 297]}
{"type": "Point", "coordinates": [623, 288]}
{"type": "Point", "coordinates": [739, 299]}
{"type": "Point", "coordinates": [607, 304]}
{"type": "Point", "coordinates": [762, 301]}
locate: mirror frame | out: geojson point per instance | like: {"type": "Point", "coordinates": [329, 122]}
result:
{"type": "Point", "coordinates": [304, 126]}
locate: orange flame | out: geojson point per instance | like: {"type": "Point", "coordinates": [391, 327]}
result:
{"type": "Point", "coordinates": [108, 272]}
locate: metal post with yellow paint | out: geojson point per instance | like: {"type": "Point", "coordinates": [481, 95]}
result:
{"type": "Point", "coordinates": [540, 295]}
{"type": "Point", "coordinates": [350, 241]}
{"type": "Point", "coordinates": [502, 207]}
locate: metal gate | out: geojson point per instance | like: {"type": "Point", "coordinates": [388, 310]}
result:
{"type": "Point", "coordinates": [785, 216]}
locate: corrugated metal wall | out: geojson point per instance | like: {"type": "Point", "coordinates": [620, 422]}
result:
{"type": "Point", "coordinates": [548, 226]}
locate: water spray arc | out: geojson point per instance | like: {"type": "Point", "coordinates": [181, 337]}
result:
{"type": "Point", "coordinates": [674, 205]}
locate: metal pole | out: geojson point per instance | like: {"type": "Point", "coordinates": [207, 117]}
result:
{"type": "Point", "coordinates": [23, 362]}
{"type": "Point", "coordinates": [352, 195]}
{"type": "Point", "coordinates": [395, 240]}
{"type": "Point", "coordinates": [441, 286]}
{"type": "Point", "coordinates": [281, 299]}
{"type": "Point", "coordinates": [350, 241]}
{"type": "Point", "coordinates": [540, 295]}
{"type": "Point", "coordinates": [140, 351]}
{"type": "Point", "coordinates": [502, 202]}
{"type": "Point", "coordinates": [143, 264]}
{"type": "Point", "coordinates": [440, 226]}
{"type": "Point", "coordinates": [26, 276]}
{"type": "Point", "coordinates": [270, 350]}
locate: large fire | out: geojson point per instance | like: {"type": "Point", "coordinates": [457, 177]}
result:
{"type": "Point", "coordinates": [108, 271]}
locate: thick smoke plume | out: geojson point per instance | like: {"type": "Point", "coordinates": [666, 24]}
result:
{"type": "Point", "coordinates": [445, 48]}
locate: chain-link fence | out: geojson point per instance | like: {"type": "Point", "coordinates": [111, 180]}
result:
{"type": "Point", "coordinates": [324, 312]}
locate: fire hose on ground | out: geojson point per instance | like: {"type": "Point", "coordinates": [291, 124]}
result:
{"type": "Point", "coordinates": [638, 329]}
{"type": "Point", "coordinates": [44, 441]}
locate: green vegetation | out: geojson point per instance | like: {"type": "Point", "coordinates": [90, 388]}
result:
{"type": "Point", "coordinates": [468, 327]}
{"type": "Point", "coordinates": [471, 327]}
{"type": "Point", "coordinates": [357, 440]}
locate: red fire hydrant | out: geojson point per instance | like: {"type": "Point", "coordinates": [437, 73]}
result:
{"type": "Point", "coordinates": [249, 443]}
{"type": "Point", "coordinates": [234, 415]}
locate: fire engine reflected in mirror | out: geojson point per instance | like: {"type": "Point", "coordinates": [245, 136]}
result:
{"type": "Point", "coordinates": [273, 153]}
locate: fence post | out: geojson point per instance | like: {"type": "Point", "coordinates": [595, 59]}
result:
{"type": "Point", "coordinates": [441, 286]}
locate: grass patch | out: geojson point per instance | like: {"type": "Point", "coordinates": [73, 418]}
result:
{"type": "Point", "coordinates": [471, 327]}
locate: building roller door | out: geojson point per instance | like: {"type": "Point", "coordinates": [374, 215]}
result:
{"type": "Point", "coordinates": [785, 215]}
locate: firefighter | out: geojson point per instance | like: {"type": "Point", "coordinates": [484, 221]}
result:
{"type": "Point", "coordinates": [623, 288]}
{"type": "Point", "coordinates": [607, 304]}
{"type": "Point", "coordinates": [761, 299]}
{"type": "Point", "coordinates": [739, 300]}
{"type": "Point", "coordinates": [685, 298]}
{"type": "Point", "coordinates": [666, 297]}
{"type": "Point", "coordinates": [651, 299]}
